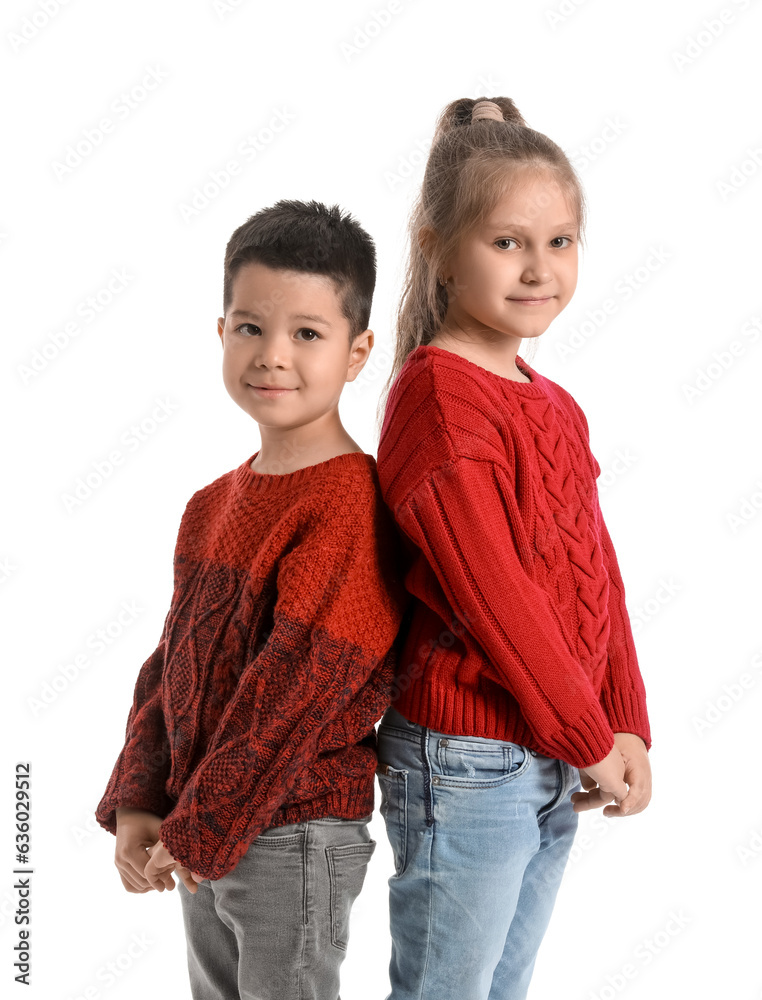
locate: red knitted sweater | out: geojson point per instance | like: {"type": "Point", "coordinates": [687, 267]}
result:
{"type": "Point", "coordinates": [519, 628]}
{"type": "Point", "coordinates": [275, 662]}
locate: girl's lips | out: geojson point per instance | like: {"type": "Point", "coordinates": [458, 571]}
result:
{"type": "Point", "coordinates": [260, 390]}
{"type": "Point", "coordinates": [532, 302]}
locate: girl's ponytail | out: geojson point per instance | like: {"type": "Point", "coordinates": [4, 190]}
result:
{"type": "Point", "coordinates": [460, 113]}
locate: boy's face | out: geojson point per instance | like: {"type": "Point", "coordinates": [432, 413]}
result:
{"type": "Point", "coordinates": [286, 350]}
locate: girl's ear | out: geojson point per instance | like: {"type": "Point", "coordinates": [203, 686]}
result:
{"type": "Point", "coordinates": [427, 239]}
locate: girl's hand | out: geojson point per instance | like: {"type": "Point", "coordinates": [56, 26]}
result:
{"type": "Point", "coordinates": [637, 774]}
{"type": "Point", "coordinates": [604, 782]}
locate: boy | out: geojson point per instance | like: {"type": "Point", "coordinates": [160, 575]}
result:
{"type": "Point", "coordinates": [249, 758]}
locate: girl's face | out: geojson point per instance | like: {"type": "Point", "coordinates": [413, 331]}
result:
{"type": "Point", "coordinates": [516, 272]}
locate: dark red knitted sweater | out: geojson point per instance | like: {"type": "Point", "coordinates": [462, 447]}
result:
{"type": "Point", "coordinates": [275, 662]}
{"type": "Point", "coordinates": [519, 629]}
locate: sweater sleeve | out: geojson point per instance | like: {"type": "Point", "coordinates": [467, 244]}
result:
{"type": "Point", "coordinates": [622, 693]}
{"type": "Point", "coordinates": [139, 776]}
{"type": "Point", "coordinates": [464, 517]}
{"type": "Point", "coordinates": [336, 616]}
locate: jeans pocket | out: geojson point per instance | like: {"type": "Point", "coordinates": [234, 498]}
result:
{"type": "Point", "coordinates": [347, 865]}
{"type": "Point", "coordinates": [393, 784]}
{"type": "Point", "coordinates": [281, 836]}
{"type": "Point", "coordinates": [478, 764]}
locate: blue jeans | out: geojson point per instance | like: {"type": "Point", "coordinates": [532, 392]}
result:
{"type": "Point", "coordinates": [481, 831]}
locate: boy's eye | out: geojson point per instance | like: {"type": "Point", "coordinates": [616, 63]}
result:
{"type": "Point", "coordinates": [252, 330]}
{"type": "Point", "coordinates": [567, 238]}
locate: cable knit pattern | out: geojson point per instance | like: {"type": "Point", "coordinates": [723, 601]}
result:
{"type": "Point", "coordinates": [519, 628]}
{"type": "Point", "coordinates": [276, 659]}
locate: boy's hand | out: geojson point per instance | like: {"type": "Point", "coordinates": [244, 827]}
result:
{"type": "Point", "coordinates": [136, 831]}
{"type": "Point", "coordinates": [636, 773]}
{"type": "Point", "coordinates": [161, 864]}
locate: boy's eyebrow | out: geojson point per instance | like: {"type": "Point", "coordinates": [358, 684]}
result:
{"type": "Point", "coordinates": [302, 316]}
{"type": "Point", "coordinates": [311, 319]}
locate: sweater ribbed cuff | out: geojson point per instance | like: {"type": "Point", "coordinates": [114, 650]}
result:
{"type": "Point", "coordinates": [584, 743]}
{"type": "Point", "coordinates": [158, 804]}
{"type": "Point", "coordinates": [626, 711]}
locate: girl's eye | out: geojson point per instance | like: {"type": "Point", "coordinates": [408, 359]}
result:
{"type": "Point", "coordinates": [507, 239]}
{"type": "Point", "coordinates": [312, 334]}
{"type": "Point", "coordinates": [567, 238]}
{"type": "Point", "coordinates": [249, 326]}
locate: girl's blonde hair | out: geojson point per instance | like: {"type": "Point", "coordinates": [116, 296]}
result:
{"type": "Point", "coordinates": [464, 179]}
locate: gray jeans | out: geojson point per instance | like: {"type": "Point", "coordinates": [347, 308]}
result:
{"type": "Point", "coordinates": [276, 926]}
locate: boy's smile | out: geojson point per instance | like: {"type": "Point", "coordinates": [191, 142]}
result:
{"type": "Point", "coordinates": [287, 354]}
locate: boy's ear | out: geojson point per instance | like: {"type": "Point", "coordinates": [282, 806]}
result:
{"type": "Point", "coordinates": [221, 326]}
{"type": "Point", "coordinates": [361, 348]}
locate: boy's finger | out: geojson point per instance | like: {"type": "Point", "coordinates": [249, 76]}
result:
{"type": "Point", "coordinates": [131, 882]}
{"type": "Point", "coordinates": [186, 877]}
{"type": "Point", "coordinates": [131, 887]}
{"type": "Point", "coordinates": [160, 878]}
{"type": "Point", "coordinates": [129, 871]}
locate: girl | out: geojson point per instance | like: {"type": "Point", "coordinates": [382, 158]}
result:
{"type": "Point", "coordinates": [518, 682]}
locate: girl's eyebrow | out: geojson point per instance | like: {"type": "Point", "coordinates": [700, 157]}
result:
{"type": "Point", "coordinates": [522, 229]}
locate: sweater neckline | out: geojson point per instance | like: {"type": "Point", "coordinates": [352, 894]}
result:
{"type": "Point", "coordinates": [534, 388]}
{"type": "Point", "coordinates": [248, 478]}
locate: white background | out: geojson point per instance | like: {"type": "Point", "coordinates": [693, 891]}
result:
{"type": "Point", "coordinates": [674, 196]}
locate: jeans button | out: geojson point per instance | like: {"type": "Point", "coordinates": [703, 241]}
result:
{"type": "Point", "coordinates": [444, 743]}
{"type": "Point", "coordinates": [435, 779]}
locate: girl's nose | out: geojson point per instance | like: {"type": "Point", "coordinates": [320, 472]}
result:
{"type": "Point", "coordinates": [537, 268]}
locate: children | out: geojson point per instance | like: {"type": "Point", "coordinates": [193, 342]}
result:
{"type": "Point", "coordinates": [249, 760]}
{"type": "Point", "coordinates": [518, 675]}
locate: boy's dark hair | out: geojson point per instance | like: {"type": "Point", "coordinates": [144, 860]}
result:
{"type": "Point", "coordinates": [312, 238]}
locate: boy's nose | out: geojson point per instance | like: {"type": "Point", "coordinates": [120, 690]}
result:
{"type": "Point", "coordinates": [272, 353]}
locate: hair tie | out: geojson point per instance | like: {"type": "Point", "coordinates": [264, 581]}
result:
{"type": "Point", "coordinates": [486, 109]}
